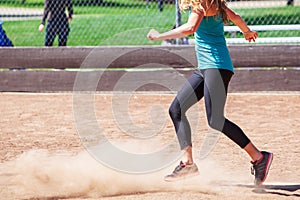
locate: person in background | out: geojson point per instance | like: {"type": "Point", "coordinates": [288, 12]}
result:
{"type": "Point", "coordinates": [290, 2]}
{"type": "Point", "coordinates": [4, 40]}
{"type": "Point", "coordinates": [58, 21]}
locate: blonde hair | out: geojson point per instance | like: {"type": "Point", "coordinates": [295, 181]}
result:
{"type": "Point", "coordinates": [198, 6]}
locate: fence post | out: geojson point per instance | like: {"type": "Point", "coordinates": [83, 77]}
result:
{"type": "Point", "coordinates": [160, 5]}
{"type": "Point", "coordinates": [178, 18]}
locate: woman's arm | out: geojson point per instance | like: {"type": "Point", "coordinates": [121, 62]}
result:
{"type": "Point", "coordinates": [184, 30]}
{"type": "Point", "coordinates": [238, 21]}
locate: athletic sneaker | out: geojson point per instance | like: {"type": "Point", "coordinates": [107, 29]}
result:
{"type": "Point", "coordinates": [261, 167]}
{"type": "Point", "coordinates": [182, 171]}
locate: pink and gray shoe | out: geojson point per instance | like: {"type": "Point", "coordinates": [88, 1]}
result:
{"type": "Point", "coordinates": [260, 168]}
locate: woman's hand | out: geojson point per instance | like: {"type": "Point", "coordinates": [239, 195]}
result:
{"type": "Point", "coordinates": [153, 34]}
{"type": "Point", "coordinates": [250, 36]}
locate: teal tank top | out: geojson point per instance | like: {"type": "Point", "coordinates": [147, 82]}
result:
{"type": "Point", "coordinates": [211, 49]}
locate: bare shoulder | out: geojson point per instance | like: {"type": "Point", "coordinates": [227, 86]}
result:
{"type": "Point", "coordinates": [230, 13]}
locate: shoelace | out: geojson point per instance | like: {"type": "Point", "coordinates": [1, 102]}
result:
{"type": "Point", "coordinates": [179, 167]}
{"type": "Point", "coordinates": [253, 171]}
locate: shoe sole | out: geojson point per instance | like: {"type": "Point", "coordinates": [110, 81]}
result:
{"type": "Point", "coordinates": [182, 177]}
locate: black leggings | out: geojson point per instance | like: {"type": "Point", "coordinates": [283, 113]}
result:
{"type": "Point", "coordinates": [211, 84]}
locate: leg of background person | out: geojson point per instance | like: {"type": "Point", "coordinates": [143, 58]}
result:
{"type": "Point", "coordinates": [63, 34]}
{"type": "Point", "coordinates": [191, 92]}
{"type": "Point", "coordinates": [290, 2]}
{"type": "Point", "coordinates": [50, 34]}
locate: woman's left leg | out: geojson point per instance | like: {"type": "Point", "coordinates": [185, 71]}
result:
{"type": "Point", "coordinates": [215, 94]}
{"type": "Point", "coordinates": [216, 83]}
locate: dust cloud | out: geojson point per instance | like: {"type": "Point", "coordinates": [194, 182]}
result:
{"type": "Point", "coordinates": [38, 173]}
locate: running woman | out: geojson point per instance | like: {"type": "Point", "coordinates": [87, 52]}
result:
{"type": "Point", "coordinates": [210, 80]}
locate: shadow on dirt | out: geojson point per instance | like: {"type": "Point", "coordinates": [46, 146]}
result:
{"type": "Point", "coordinates": [278, 189]}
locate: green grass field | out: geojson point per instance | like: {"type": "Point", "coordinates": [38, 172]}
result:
{"type": "Point", "coordinates": [122, 25]}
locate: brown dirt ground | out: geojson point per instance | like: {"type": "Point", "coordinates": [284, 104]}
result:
{"type": "Point", "coordinates": [42, 156]}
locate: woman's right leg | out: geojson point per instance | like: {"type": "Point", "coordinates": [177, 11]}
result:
{"type": "Point", "coordinates": [191, 93]}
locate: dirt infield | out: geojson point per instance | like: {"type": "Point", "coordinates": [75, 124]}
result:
{"type": "Point", "coordinates": [42, 156]}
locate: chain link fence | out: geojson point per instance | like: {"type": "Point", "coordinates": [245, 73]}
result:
{"type": "Point", "coordinates": [126, 22]}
